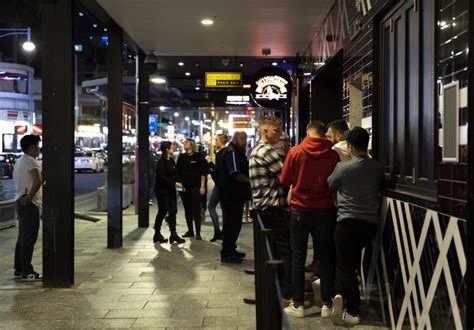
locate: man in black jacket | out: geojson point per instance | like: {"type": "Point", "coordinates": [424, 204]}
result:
{"type": "Point", "coordinates": [234, 188]}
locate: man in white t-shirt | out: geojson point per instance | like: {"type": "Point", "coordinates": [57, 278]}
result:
{"type": "Point", "coordinates": [28, 180]}
{"type": "Point", "coordinates": [335, 134]}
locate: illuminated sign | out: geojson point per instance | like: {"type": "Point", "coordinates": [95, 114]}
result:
{"type": "Point", "coordinates": [238, 99]}
{"type": "Point", "coordinates": [223, 79]}
{"type": "Point", "coordinates": [271, 88]}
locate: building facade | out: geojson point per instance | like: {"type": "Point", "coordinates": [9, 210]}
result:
{"type": "Point", "coordinates": [405, 76]}
{"type": "Point", "coordinates": [16, 105]}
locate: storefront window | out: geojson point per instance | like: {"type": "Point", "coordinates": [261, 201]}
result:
{"type": "Point", "coordinates": [13, 82]}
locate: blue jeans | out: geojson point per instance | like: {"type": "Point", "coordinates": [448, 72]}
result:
{"type": "Point", "coordinates": [320, 224]}
{"type": "Point", "coordinates": [211, 206]}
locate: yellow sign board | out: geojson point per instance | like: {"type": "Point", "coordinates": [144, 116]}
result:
{"type": "Point", "coordinates": [223, 79]}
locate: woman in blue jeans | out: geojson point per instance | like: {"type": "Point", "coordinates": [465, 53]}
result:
{"type": "Point", "coordinates": [221, 141]}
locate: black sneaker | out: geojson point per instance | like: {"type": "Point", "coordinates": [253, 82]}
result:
{"type": "Point", "coordinates": [17, 275]}
{"type": "Point", "coordinates": [239, 254]}
{"type": "Point", "coordinates": [198, 237]}
{"type": "Point", "coordinates": [188, 234]}
{"type": "Point", "coordinates": [233, 259]}
{"type": "Point", "coordinates": [32, 277]}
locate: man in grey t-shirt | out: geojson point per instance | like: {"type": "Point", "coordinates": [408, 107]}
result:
{"type": "Point", "coordinates": [357, 183]}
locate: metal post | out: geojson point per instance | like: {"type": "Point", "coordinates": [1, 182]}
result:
{"type": "Point", "coordinates": [58, 154]}
{"type": "Point", "coordinates": [114, 119]}
{"type": "Point", "coordinates": [143, 142]}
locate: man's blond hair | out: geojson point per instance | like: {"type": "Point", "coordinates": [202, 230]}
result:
{"type": "Point", "coordinates": [270, 120]}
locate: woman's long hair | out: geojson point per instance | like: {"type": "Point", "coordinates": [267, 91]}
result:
{"type": "Point", "coordinates": [165, 145]}
{"type": "Point", "coordinates": [194, 145]}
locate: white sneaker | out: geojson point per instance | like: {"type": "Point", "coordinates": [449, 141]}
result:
{"type": "Point", "coordinates": [326, 311]}
{"type": "Point", "coordinates": [337, 310]}
{"type": "Point", "coordinates": [350, 320]}
{"type": "Point", "coordinates": [317, 292]}
{"type": "Point", "coordinates": [294, 311]}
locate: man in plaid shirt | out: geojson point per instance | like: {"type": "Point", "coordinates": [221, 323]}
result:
{"type": "Point", "coordinates": [269, 197]}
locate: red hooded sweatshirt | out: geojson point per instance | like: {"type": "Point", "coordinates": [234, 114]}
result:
{"type": "Point", "coordinates": [307, 168]}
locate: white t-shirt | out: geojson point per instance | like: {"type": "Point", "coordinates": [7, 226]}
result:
{"type": "Point", "coordinates": [341, 149]}
{"type": "Point", "coordinates": [24, 180]}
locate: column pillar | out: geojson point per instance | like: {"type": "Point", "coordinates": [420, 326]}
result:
{"type": "Point", "coordinates": [57, 50]}
{"type": "Point", "coordinates": [114, 145]}
{"type": "Point", "coordinates": [143, 141]}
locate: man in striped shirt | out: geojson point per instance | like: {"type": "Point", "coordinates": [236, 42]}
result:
{"type": "Point", "coordinates": [269, 197]}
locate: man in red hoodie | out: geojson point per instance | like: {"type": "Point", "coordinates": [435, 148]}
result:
{"type": "Point", "coordinates": [306, 169]}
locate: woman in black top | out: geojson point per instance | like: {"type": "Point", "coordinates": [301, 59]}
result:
{"type": "Point", "coordinates": [191, 173]}
{"type": "Point", "coordinates": [165, 191]}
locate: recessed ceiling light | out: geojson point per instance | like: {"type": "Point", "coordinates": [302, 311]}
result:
{"type": "Point", "coordinates": [105, 29]}
{"type": "Point", "coordinates": [197, 65]}
{"type": "Point", "coordinates": [162, 108]}
{"type": "Point", "coordinates": [186, 118]}
{"type": "Point", "coordinates": [241, 65]}
{"type": "Point", "coordinates": [227, 112]}
{"type": "Point", "coordinates": [158, 80]}
{"type": "Point", "coordinates": [176, 114]}
{"type": "Point", "coordinates": [207, 21]}
{"type": "Point", "coordinates": [197, 88]}
{"type": "Point", "coordinates": [274, 63]}
{"type": "Point", "coordinates": [81, 13]}
{"type": "Point", "coordinates": [187, 74]}
{"type": "Point", "coordinates": [94, 25]}
{"type": "Point", "coordinates": [180, 63]}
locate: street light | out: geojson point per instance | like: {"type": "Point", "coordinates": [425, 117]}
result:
{"type": "Point", "coordinates": [28, 45]}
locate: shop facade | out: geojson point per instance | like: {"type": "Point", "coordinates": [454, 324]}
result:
{"type": "Point", "coordinates": [16, 105]}
{"type": "Point", "coordinates": [401, 69]}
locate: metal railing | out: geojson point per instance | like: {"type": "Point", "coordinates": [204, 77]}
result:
{"type": "Point", "coordinates": [268, 295]}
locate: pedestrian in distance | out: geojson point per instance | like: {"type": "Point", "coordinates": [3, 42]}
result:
{"type": "Point", "coordinates": [165, 192]}
{"type": "Point", "coordinates": [191, 172]}
{"type": "Point", "coordinates": [28, 180]}
{"type": "Point", "coordinates": [234, 189]}
{"type": "Point", "coordinates": [220, 144]}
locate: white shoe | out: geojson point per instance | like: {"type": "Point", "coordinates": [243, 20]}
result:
{"type": "Point", "coordinates": [294, 311]}
{"type": "Point", "coordinates": [337, 310]}
{"type": "Point", "coordinates": [317, 292]}
{"type": "Point", "coordinates": [350, 320]}
{"type": "Point", "coordinates": [326, 311]}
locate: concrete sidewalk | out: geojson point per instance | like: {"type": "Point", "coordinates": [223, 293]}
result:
{"type": "Point", "coordinates": [141, 285]}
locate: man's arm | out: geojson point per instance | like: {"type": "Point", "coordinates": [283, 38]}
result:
{"type": "Point", "coordinates": [334, 180]}
{"type": "Point", "coordinates": [233, 166]}
{"type": "Point", "coordinates": [37, 180]}
{"type": "Point", "coordinates": [286, 177]}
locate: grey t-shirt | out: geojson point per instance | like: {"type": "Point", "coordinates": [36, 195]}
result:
{"type": "Point", "coordinates": [357, 183]}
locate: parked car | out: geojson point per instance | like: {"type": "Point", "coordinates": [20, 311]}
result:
{"type": "Point", "coordinates": [88, 161]}
{"type": "Point", "coordinates": [6, 164]}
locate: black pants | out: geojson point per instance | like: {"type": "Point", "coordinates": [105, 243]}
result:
{"type": "Point", "coordinates": [192, 208]}
{"type": "Point", "coordinates": [320, 224]}
{"type": "Point", "coordinates": [166, 205]}
{"type": "Point", "coordinates": [278, 220]}
{"type": "Point", "coordinates": [232, 212]}
{"type": "Point", "coordinates": [351, 236]}
{"type": "Point", "coordinates": [28, 219]}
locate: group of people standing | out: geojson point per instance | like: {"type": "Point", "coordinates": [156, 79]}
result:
{"type": "Point", "coordinates": [326, 187]}
{"type": "Point", "coordinates": [188, 177]}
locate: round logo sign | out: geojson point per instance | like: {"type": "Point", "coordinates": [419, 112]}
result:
{"type": "Point", "coordinates": [271, 88]}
